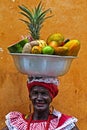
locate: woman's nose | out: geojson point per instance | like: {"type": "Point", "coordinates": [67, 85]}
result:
{"type": "Point", "coordinates": [39, 96]}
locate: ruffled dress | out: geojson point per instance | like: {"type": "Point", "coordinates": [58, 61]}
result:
{"type": "Point", "coordinates": [16, 121]}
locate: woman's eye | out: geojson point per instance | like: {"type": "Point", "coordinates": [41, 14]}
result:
{"type": "Point", "coordinates": [44, 93]}
{"type": "Point", "coordinates": [35, 92]}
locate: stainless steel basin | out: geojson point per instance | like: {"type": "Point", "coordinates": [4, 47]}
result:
{"type": "Point", "coordinates": [42, 65]}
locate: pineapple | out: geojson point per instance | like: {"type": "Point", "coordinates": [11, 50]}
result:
{"type": "Point", "coordinates": [36, 17]}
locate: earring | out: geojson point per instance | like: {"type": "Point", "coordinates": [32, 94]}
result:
{"type": "Point", "coordinates": [51, 109]}
{"type": "Point", "coordinates": [30, 108]}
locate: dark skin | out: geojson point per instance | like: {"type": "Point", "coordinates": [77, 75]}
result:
{"type": "Point", "coordinates": [41, 100]}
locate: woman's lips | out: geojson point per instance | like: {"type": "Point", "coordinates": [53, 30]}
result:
{"type": "Point", "coordinates": [40, 104]}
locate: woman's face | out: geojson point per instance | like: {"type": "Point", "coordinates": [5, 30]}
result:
{"type": "Point", "coordinates": [40, 98]}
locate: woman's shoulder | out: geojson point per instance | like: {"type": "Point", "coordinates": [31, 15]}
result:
{"type": "Point", "coordinates": [64, 117]}
{"type": "Point", "coordinates": [13, 114]}
{"type": "Point", "coordinates": [65, 121]}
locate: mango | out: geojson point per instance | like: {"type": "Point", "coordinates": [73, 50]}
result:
{"type": "Point", "coordinates": [59, 38]}
{"type": "Point", "coordinates": [73, 47]}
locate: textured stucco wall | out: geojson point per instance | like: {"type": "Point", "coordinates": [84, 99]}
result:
{"type": "Point", "coordinates": [70, 18]}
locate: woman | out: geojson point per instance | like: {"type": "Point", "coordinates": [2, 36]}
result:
{"type": "Point", "coordinates": [41, 92]}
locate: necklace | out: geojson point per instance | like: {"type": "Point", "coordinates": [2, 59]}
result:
{"type": "Point", "coordinates": [47, 125]}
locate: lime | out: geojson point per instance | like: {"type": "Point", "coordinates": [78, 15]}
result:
{"type": "Point", "coordinates": [48, 50]}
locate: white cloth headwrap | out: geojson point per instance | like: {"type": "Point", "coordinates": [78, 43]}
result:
{"type": "Point", "coordinates": [45, 80]}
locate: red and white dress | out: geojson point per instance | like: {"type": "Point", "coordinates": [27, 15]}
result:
{"type": "Point", "coordinates": [16, 121]}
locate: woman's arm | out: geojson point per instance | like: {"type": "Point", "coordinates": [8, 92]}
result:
{"type": "Point", "coordinates": [5, 128]}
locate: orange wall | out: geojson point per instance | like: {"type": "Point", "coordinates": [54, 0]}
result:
{"type": "Point", "coordinates": [70, 18]}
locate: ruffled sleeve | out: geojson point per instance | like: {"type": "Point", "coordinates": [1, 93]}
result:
{"type": "Point", "coordinates": [65, 122]}
{"type": "Point", "coordinates": [15, 121]}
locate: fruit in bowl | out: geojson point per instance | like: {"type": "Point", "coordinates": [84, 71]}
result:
{"type": "Point", "coordinates": [48, 50]}
{"type": "Point", "coordinates": [39, 57]}
{"type": "Point", "coordinates": [57, 37]}
{"type": "Point", "coordinates": [18, 47]}
{"type": "Point", "coordinates": [55, 44]}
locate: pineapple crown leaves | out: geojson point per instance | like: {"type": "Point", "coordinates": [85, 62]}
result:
{"type": "Point", "coordinates": [36, 17]}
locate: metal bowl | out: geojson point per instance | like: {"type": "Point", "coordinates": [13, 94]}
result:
{"type": "Point", "coordinates": [42, 65]}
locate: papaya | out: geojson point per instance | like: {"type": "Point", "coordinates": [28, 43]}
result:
{"type": "Point", "coordinates": [61, 50]}
{"type": "Point", "coordinates": [73, 47]}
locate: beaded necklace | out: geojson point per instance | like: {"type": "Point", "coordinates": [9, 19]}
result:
{"type": "Point", "coordinates": [47, 125]}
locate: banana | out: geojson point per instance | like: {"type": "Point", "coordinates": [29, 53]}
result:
{"type": "Point", "coordinates": [41, 43]}
{"type": "Point", "coordinates": [34, 46]}
{"type": "Point", "coordinates": [36, 50]}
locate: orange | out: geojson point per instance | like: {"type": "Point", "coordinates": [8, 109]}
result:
{"type": "Point", "coordinates": [36, 50]}
{"type": "Point", "coordinates": [48, 50]}
{"type": "Point", "coordinates": [53, 44]}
